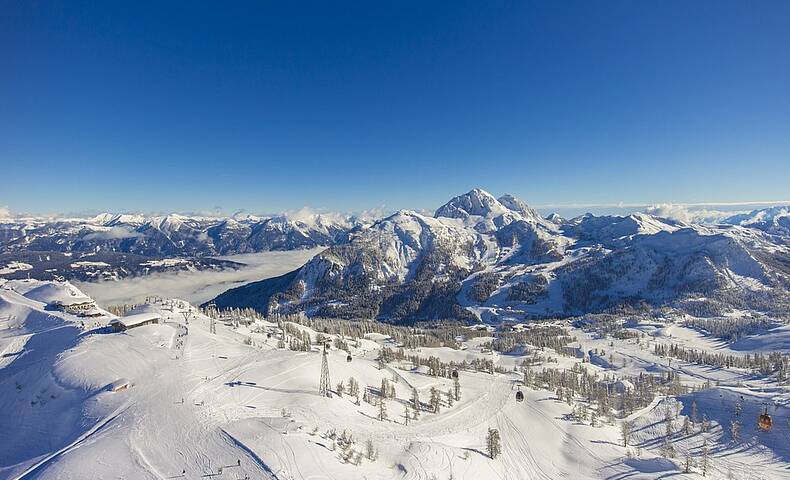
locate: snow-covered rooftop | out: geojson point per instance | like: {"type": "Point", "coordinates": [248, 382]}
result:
{"type": "Point", "coordinates": [73, 301]}
{"type": "Point", "coordinates": [137, 319]}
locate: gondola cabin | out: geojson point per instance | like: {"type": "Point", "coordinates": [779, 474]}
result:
{"type": "Point", "coordinates": [764, 421]}
{"type": "Point", "coordinates": [348, 357]}
{"type": "Point", "coordinates": [519, 396]}
{"type": "Point", "coordinates": [455, 374]}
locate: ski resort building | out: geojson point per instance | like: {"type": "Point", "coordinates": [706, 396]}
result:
{"type": "Point", "coordinates": [132, 321]}
{"type": "Point", "coordinates": [74, 306]}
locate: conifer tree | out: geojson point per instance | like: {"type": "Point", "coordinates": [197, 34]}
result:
{"type": "Point", "coordinates": [353, 387]}
{"type": "Point", "coordinates": [493, 443]}
{"type": "Point", "coordinates": [382, 409]}
{"type": "Point", "coordinates": [435, 400]}
{"type": "Point", "coordinates": [735, 430]}
{"type": "Point", "coordinates": [415, 401]}
{"type": "Point", "coordinates": [705, 457]}
{"type": "Point", "coordinates": [625, 432]}
{"type": "Point", "coordinates": [384, 389]}
{"type": "Point", "coordinates": [370, 450]}
{"type": "Point", "coordinates": [667, 448]}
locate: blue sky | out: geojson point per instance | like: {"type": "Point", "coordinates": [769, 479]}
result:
{"type": "Point", "coordinates": [270, 106]}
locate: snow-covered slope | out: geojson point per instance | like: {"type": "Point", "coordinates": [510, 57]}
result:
{"type": "Point", "coordinates": [196, 397]}
{"type": "Point", "coordinates": [41, 409]}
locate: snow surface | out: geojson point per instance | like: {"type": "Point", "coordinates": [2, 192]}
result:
{"type": "Point", "coordinates": [231, 405]}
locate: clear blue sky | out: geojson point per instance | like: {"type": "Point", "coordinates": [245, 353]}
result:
{"type": "Point", "coordinates": [268, 106]}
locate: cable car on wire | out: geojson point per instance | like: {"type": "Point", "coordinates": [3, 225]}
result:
{"type": "Point", "coordinates": [764, 421]}
{"type": "Point", "coordinates": [454, 374]}
{"type": "Point", "coordinates": [348, 357]}
{"type": "Point", "coordinates": [519, 395]}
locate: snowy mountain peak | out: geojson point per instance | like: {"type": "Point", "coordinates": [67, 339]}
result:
{"type": "Point", "coordinates": [555, 218]}
{"type": "Point", "coordinates": [169, 223]}
{"type": "Point", "coordinates": [517, 205]}
{"type": "Point", "coordinates": [111, 220]}
{"type": "Point", "coordinates": [102, 218]}
{"type": "Point", "coordinates": [476, 202]}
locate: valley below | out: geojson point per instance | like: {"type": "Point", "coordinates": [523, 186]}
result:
{"type": "Point", "coordinates": [198, 286]}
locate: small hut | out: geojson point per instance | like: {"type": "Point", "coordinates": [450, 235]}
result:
{"type": "Point", "coordinates": [122, 324]}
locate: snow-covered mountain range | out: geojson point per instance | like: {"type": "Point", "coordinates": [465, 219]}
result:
{"type": "Point", "coordinates": [174, 235]}
{"type": "Point", "coordinates": [494, 258]}
{"type": "Point", "coordinates": [774, 220]}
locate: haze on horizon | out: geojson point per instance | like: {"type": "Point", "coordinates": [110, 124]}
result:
{"type": "Point", "coordinates": [347, 107]}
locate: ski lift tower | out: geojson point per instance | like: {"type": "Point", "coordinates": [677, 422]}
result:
{"type": "Point", "coordinates": [325, 384]}
{"type": "Point", "coordinates": [212, 310]}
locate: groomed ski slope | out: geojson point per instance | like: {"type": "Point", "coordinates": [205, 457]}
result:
{"type": "Point", "coordinates": [212, 406]}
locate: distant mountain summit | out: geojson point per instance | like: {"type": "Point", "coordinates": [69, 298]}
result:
{"type": "Point", "coordinates": [475, 203]}
{"type": "Point", "coordinates": [480, 257]}
{"type": "Point", "coordinates": [774, 220]}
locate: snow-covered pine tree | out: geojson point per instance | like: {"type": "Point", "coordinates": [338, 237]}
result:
{"type": "Point", "coordinates": [435, 401]}
{"type": "Point", "coordinates": [382, 409]}
{"type": "Point", "coordinates": [667, 448]}
{"type": "Point", "coordinates": [384, 389]}
{"type": "Point", "coordinates": [669, 421]}
{"type": "Point", "coordinates": [705, 425]}
{"type": "Point", "coordinates": [370, 450]}
{"type": "Point", "coordinates": [493, 443]}
{"type": "Point", "coordinates": [626, 427]}
{"type": "Point", "coordinates": [735, 430]}
{"type": "Point", "coordinates": [705, 457]}
{"type": "Point", "coordinates": [353, 387]}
